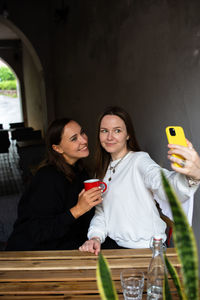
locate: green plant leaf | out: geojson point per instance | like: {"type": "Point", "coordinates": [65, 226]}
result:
{"type": "Point", "coordinates": [185, 244]}
{"type": "Point", "coordinates": [166, 290]}
{"type": "Point", "coordinates": [104, 281]}
{"type": "Point", "coordinates": [174, 275]}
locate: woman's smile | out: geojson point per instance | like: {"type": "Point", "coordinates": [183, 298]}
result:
{"type": "Point", "coordinates": [113, 136]}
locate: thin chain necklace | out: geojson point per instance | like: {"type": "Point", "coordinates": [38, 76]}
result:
{"type": "Point", "coordinates": [112, 169]}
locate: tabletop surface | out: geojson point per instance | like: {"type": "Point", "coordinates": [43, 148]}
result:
{"type": "Point", "coordinates": [68, 274]}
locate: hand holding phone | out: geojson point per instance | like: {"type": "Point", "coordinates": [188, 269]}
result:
{"type": "Point", "coordinates": [175, 135]}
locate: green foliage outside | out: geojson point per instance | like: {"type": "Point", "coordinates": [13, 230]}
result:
{"type": "Point", "coordinates": [8, 85]}
{"type": "Point", "coordinates": [6, 74]}
{"type": "Point", "coordinates": [8, 82]}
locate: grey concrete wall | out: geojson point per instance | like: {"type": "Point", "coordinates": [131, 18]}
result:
{"type": "Point", "coordinates": [34, 109]}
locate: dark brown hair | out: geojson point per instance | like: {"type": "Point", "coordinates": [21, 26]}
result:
{"type": "Point", "coordinates": [102, 158]}
{"type": "Point", "coordinates": [53, 137]}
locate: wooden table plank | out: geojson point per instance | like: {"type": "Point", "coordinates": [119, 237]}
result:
{"type": "Point", "coordinates": [72, 287]}
{"type": "Point", "coordinates": [66, 288]}
{"type": "Point", "coordinates": [77, 264]}
{"type": "Point", "coordinates": [58, 275]}
{"type": "Point", "coordinates": [75, 254]}
{"type": "Point", "coordinates": [55, 297]}
{"type": "Point", "coordinates": [61, 297]}
{"type": "Point", "coordinates": [68, 297]}
{"type": "Point", "coordinates": [63, 275]}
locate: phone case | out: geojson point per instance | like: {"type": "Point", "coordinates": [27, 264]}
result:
{"type": "Point", "coordinates": [178, 139]}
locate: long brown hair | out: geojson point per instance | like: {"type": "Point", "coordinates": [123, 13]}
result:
{"type": "Point", "coordinates": [53, 137]}
{"type": "Point", "coordinates": [102, 158]}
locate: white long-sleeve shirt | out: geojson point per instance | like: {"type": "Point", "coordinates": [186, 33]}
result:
{"type": "Point", "coordinates": [128, 213]}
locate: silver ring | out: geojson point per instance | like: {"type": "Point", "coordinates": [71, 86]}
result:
{"type": "Point", "coordinates": [182, 163]}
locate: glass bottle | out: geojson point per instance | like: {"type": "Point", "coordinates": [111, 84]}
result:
{"type": "Point", "coordinates": [156, 271]}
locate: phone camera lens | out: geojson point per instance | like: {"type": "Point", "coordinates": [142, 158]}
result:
{"type": "Point", "coordinates": [172, 131]}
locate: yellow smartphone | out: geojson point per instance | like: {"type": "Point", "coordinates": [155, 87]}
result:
{"type": "Point", "coordinates": [175, 135]}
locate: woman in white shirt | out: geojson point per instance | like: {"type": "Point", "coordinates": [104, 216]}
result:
{"type": "Point", "coordinates": [128, 214]}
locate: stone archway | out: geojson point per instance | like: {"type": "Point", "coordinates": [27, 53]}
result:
{"type": "Point", "coordinates": [30, 74]}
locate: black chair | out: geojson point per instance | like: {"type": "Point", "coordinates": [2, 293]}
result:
{"type": "Point", "coordinates": [29, 135]}
{"type": "Point", "coordinates": [31, 153]}
{"type": "Point", "coordinates": [18, 133]}
{"type": "Point", "coordinates": [1, 126]}
{"type": "Point", "coordinates": [4, 141]}
{"type": "Point", "coordinates": [16, 125]}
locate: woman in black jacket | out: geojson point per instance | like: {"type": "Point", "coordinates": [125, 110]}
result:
{"type": "Point", "coordinates": [55, 211]}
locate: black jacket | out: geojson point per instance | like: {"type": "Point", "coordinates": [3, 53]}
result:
{"type": "Point", "coordinates": [44, 219]}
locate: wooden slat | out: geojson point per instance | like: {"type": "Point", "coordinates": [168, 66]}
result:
{"type": "Point", "coordinates": [75, 254]}
{"type": "Point", "coordinates": [68, 297]}
{"type": "Point", "coordinates": [47, 265]}
{"type": "Point", "coordinates": [66, 275]}
{"type": "Point", "coordinates": [44, 255]}
{"type": "Point", "coordinates": [71, 288]}
{"type": "Point", "coordinates": [55, 297]}
{"type": "Point", "coordinates": [76, 264]}
{"type": "Point", "coordinates": [63, 275]}
{"type": "Point", "coordinates": [66, 288]}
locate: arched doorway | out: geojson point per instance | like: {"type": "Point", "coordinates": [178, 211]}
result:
{"type": "Point", "coordinates": [18, 52]}
{"type": "Point", "coordinates": [10, 96]}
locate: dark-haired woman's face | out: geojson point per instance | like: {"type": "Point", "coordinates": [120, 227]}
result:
{"type": "Point", "coordinates": [113, 136]}
{"type": "Point", "coordinates": [73, 144]}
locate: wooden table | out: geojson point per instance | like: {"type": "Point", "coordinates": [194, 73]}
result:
{"type": "Point", "coordinates": [65, 274]}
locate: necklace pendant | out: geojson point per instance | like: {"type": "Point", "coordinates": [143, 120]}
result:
{"type": "Point", "coordinates": [112, 169]}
